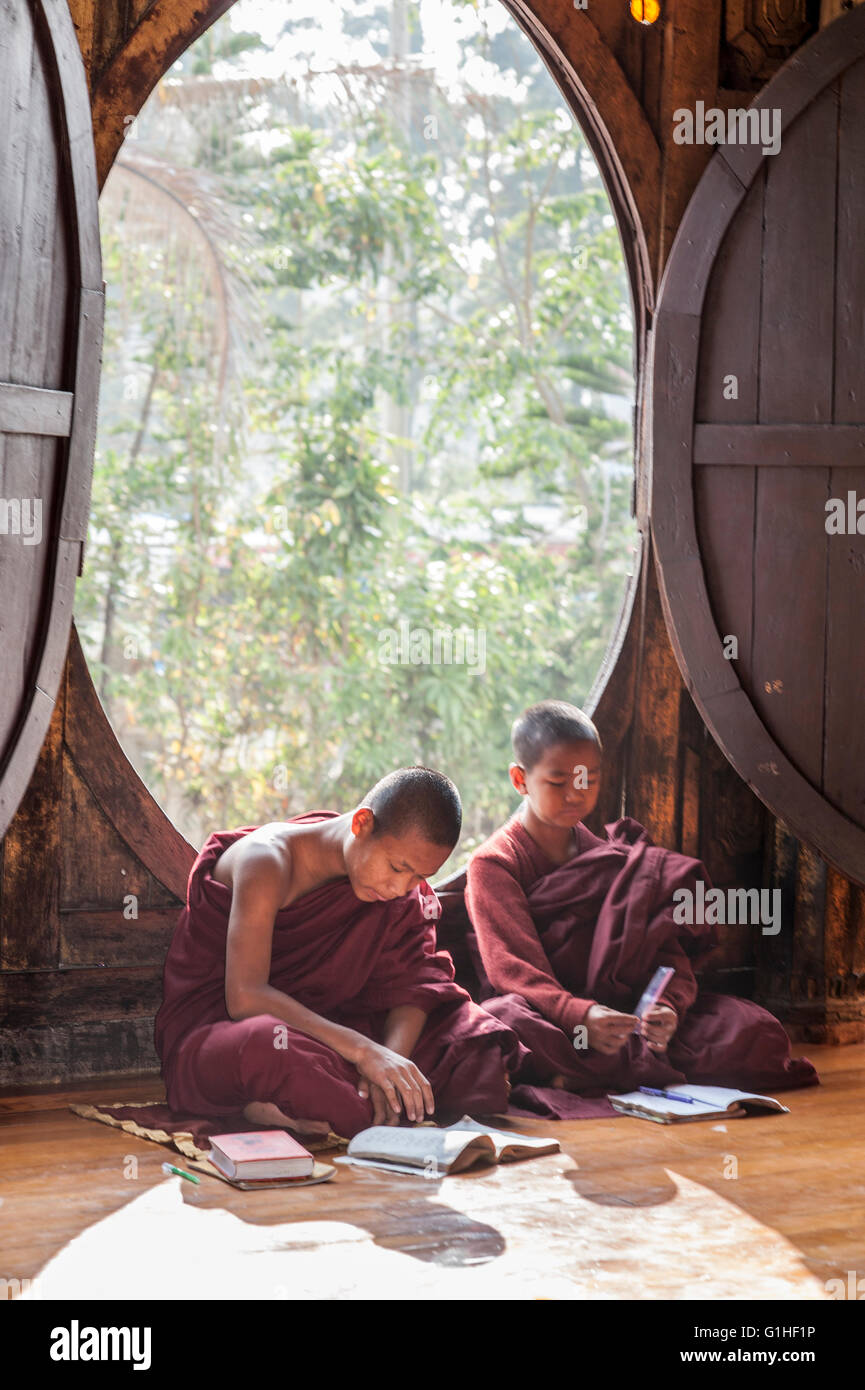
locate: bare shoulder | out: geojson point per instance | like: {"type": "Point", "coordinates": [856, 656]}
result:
{"type": "Point", "coordinates": [262, 859]}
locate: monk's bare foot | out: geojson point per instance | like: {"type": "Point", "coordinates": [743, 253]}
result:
{"type": "Point", "coordinates": [265, 1112]}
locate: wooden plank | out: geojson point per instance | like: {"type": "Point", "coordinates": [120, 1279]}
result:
{"type": "Point", "coordinates": [724, 499]}
{"type": "Point", "coordinates": [688, 38]}
{"type": "Point", "coordinates": [109, 871]}
{"type": "Point", "coordinates": [76, 114]}
{"type": "Point", "coordinates": [787, 649]}
{"type": "Point", "coordinates": [64, 1052]}
{"type": "Point", "coordinates": [123, 797]}
{"type": "Point", "coordinates": [844, 732]}
{"type": "Point", "coordinates": [844, 948]}
{"type": "Point", "coordinates": [676, 340]}
{"type": "Point", "coordinates": [109, 32]}
{"type": "Point", "coordinates": [734, 821]}
{"type": "Point", "coordinates": [689, 839]}
{"type": "Point", "coordinates": [796, 342]}
{"type": "Point", "coordinates": [38, 704]}
{"type": "Point", "coordinates": [31, 998]}
{"type": "Point", "coordinates": [28, 487]}
{"type": "Point", "coordinates": [653, 780]}
{"type": "Point", "coordinates": [16, 64]}
{"type": "Point", "coordinates": [32, 410]}
{"type": "Point", "coordinates": [41, 211]}
{"type": "Point", "coordinates": [730, 336]}
{"type": "Point", "coordinates": [701, 231]}
{"type": "Point", "coordinates": [83, 17]}
{"type": "Point", "coordinates": [82, 443]}
{"type": "Point", "coordinates": [790, 445]}
{"type": "Point", "coordinates": [796, 348]}
{"type": "Point", "coordinates": [112, 939]}
{"type": "Point", "coordinates": [29, 923]}
{"type": "Point", "coordinates": [808, 975]}
{"type": "Point", "coordinates": [579, 1224]}
{"type": "Point", "coordinates": [757, 757]}
{"type": "Point", "coordinates": [137, 11]}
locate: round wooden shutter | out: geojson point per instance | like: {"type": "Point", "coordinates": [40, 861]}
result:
{"type": "Point", "coordinates": [51, 311]}
{"type": "Point", "coordinates": [758, 419]}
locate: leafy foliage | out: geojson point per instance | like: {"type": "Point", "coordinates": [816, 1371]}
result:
{"type": "Point", "coordinates": [360, 382]}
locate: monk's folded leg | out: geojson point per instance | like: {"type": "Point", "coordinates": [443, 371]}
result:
{"type": "Point", "coordinates": [549, 1050]}
{"type": "Point", "coordinates": [221, 1067]}
{"type": "Point", "coordinates": [468, 1058]}
{"type": "Point", "coordinates": [727, 1041]}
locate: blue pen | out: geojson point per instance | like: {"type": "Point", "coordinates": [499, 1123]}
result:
{"type": "Point", "coordinates": [668, 1095]}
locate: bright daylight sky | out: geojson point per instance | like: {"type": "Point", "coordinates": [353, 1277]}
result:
{"type": "Point", "coordinates": [443, 26]}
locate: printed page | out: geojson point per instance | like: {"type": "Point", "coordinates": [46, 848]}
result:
{"type": "Point", "coordinates": [504, 1139]}
{"type": "Point", "coordinates": [724, 1095]}
{"type": "Point", "coordinates": [419, 1146]}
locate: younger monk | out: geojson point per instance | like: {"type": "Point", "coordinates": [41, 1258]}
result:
{"type": "Point", "coordinates": [570, 929]}
{"type": "Point", "coordinates": [303, 987]}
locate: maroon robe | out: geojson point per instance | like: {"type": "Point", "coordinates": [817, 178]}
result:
{"type": "Point", "coordinates": [348, 960]}
{"type": "Point", "coordinates": [553, 940]}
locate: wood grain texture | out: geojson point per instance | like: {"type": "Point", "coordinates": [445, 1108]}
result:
{"type": "Point", "coordinates": [32, 410]}
{"type": "Point", "coordinates": [756, 563]}
{"type": "Point", "coordinates": [50, 235]}
{"type": "Point", "coordinates": [29, 923]}
{"type": "Point", "coordinates": [115, 786]}
{"type": "Point", "coordinates": [626, 1211]}
{"type": "Point", "coordinates": [844, 731]}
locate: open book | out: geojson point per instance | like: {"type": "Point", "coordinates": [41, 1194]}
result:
{"type": "Point", "coordinates": [427, 1151]}
{"type": "Point", "coordinates": [708, 1103]}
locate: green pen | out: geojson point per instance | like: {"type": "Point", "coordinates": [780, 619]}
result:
{"type": "Point", "coordinates": [170, 1168]}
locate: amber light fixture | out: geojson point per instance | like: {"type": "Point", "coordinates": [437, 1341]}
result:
{"type": "Point", "coordinates": [645, 11]}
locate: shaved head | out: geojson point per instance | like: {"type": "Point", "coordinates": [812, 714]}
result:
{"type": "Point", "coordinates": [417, 799]}
{"type": "Point", "coordinates": [550, 722]}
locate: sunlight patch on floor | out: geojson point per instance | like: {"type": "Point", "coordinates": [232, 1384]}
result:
{"type": "Point", "coordinates": [509, 1233]}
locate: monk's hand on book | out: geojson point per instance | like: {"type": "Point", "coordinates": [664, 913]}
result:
{"type": "Point", "coordinates": [381, 1111]}
{"type": "Point", "coordinates": [607, 1030]}
{"type": "Point", "coordinates": [404, 1086]}
{"type": "Point", "coordinates": [659, 1025]}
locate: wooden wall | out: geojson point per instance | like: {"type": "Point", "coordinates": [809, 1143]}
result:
{"type": "Point", "coordinates": [80, 976]}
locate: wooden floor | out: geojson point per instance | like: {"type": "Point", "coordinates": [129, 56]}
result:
{"type": "Point", "coordinates": [628, 1210]}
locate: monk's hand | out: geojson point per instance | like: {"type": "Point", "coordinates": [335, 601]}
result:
{"type": "Point", "coordinates": [659, 1025]}
{"type": "Point", "coordinates": [404, 1086]}
{"type": "Point", "coordinates": [381, 1111]}
{"type": "Point", "coordinates": [606, 1029]}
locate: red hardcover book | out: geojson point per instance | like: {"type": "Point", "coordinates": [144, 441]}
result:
{"type": "Point", "coordinates": [268, 1153]}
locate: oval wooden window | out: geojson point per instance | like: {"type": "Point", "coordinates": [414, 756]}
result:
{"type": "Point", "coordinates": [758, 420]}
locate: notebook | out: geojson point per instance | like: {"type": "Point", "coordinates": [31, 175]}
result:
{"type": "Point", "coordinates": [711, 1103]}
